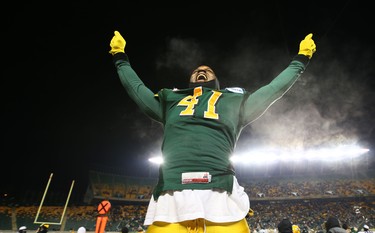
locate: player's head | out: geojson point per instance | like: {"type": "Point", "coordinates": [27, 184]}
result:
{"type": "Point", "coordinates": [204, 76]}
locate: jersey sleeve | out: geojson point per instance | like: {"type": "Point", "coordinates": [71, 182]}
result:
{"type": "Point", "coordinates": [136, 89]}
{"type": "Point", "coordinates": [259, 101]}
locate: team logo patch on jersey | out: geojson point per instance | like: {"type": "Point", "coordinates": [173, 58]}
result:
{"type": "Point", "coordinates": [195, 177]}
{"type": "Point", "coordinates": [235, 89]}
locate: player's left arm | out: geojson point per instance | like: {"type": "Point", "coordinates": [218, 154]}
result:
{"type": "Point", "coordinates": [258, 102]}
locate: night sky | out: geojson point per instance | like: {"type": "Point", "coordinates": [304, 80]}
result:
{"type": "Point", "coordinates": [65, 112]}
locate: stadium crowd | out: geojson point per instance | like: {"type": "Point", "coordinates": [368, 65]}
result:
{"type": "Point", "coordinates": [307, 202]}
{"type": "Point", "coordinates": [256, 188]}
{"type": "Point", "coordinates": [308, 215]}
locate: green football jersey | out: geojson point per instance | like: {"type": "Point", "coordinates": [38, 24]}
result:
{"type": "Point", "coordinates": [201, 127]}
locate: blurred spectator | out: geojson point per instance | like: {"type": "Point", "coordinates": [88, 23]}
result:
{"type": "Point", "coordinates": [346, 227]}
{"type": "Point", "coordinates": [285, 226]}
{"type": "Point", "coordinates": [366, 229]}
{"type": "Point", "coordinates": [332, 225]}
{"type": "Point", "coordinates": [81, 230]}
{"type": "Point", "coordinates": [140, 230]}
{"type": "Point", "coordinates": [124, 230]}
{"type": "Point", "coordinates": [42, 228]}
{"type": "Point", "coordinates": [296, 229]}
{"type": "Point", "coordinates": [22, 229]}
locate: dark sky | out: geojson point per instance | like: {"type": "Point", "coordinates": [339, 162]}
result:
{"type": "Point", "coordinates": [65, 112]}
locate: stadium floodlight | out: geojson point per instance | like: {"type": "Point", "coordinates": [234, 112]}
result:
{"type": "Point", "coordinates": [342, 152]}
{"type": "Point", "coordinates": [271, 155]}
{"type": "Point", "coordinates": [156, 160]}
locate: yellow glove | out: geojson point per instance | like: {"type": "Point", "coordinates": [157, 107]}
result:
{"type": "Point", "coordinates": [117, 44]}
{"type": "Point", "coordinates": [307, 46]}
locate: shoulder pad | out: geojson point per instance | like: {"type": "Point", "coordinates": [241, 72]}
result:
{"type": "Point", "coordinates": [235, 89]}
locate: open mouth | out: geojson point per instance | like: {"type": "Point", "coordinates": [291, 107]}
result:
{"type": "Point", "coordinates": [201, 77]}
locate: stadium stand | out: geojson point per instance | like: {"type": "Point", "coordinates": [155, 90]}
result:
{"type": "Point", "coordinates": [306, 200]}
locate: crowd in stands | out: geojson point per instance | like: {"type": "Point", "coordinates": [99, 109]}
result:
{"type": "Point", "coordinates": [120, 187]}
{"type": "Point", "coordinates": [316, 188]}
{"type": "Point", "coordinates": [310, 215]}
{"type": "Point", "coordinates": [307, 202]}
{"type": "Point", "coordinates": [258, 188]}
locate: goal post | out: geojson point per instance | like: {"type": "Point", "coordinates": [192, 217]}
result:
{"type": "Point", "coordinates": [36, 221]}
